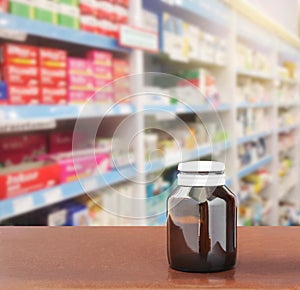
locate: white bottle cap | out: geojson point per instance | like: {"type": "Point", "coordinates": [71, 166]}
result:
{"type": "Point", "coordinates": [201, 173]}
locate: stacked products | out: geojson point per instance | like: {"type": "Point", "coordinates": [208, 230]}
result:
{"type": "Point", "coordinates": [251, 60]}
{"type": "Point", "coordinates": [32, 162]}
{"type": "Point", "coordinates": [183, 41]}
{"type": "Point", "coordinates": [94, 16]}
{"type": "Point", "coordinates": [251, 152]}
{"type": "Point", "coordinates": [32, 75]}
{"type": "Point", "coordinates": [252, 91]}
{"type": "Point", "coordinates": [252, 119]}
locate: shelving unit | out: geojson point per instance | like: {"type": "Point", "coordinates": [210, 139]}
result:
{"type": "Point", "coordinates": [218, 13]}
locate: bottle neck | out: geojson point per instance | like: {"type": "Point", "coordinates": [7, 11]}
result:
{"type": "Point", "coordinates": [201, 180]}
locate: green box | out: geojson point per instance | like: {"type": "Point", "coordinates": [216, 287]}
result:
{"type": "Point", "coordinates": [46, 11]}
{"type": "Point", "coordinates": [68, 2]}
{"type": "Point", "coordinates": [68, 16]}
{"type": "Point", "coordinates": [21, 8]}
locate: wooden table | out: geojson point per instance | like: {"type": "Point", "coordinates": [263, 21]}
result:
{"type": "Point", "coordinates": [135, 257]}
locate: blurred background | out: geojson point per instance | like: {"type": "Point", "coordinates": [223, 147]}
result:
{"type": "Point", "coordinates": [244, 57]}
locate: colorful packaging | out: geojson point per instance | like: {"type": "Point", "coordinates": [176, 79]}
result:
{"type": "Point", "coordinates": [68, 16]}
{"type": "Point", "coordinates": [46, 11]}
{"type": "Point", "coordinates": [19, 95]}
{"type": "Point", "coordinates": [79, 66]}
{"type": "Point", "coordinates": [3, 92]}
{"type": "Point", "coordinates": [19, 149]}
{"type": "Point", "coordinates": [3, 5]}
{"type": "Point", "coordinates": [21, 8]}
{"type": "Point", "coordinates": [18, 54]}
{"type": "Point", "coordinates": [53, 77]}
{"type": "Point", "coordinates": [102, 73]}
{"type": "Point", "coordinates": [59, 142]}
{"type": "Point", "coordinates": [77, 214]}
{"type": "Point", "coordinates": [81, 83]}
{"type": "Point", "coordinates": [53, 95]}
{"type": "Point", "coordinates": [22, 179]}
{"type": "Point", "coordinates": [120, 68]}
{"type": "Point", "coordinates": [23, 75]}
{"type": "Point", "coordinates": [87, 7]}
{"type": "Point", "coordinates": [85, 164]}
{"type": "Point", "coordinates": [52, 58]}
{"type": "Point", "coordinates": [100, 58]}
{"type": "Point", "coordinates": [79, 96]}
{"type": "Point", "coordinates": [88, 23]}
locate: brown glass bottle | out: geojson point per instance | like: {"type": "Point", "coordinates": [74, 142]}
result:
{"type": "Point", "coordinates": [201, 225]}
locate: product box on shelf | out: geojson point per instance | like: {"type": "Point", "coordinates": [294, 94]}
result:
{"type": "Point", "coordinates": [88, 23]}
{"type": "Point", "coordinates": [81, 83]}
{"type": "Point", "coordinates": [45, 10]}
{"type": "Point", "coordinates": [79, 66]}
{"type": "Point", "coordinates": [19, 149]}
{"type": "Point", "coordinates": [23, 8]}
{"type": "Point", "coordinates": [59, 142]}
{"type": "Point", "coordinates": [102, 72]}
{"type": "Point", "coordinates": [54, 95]}
{"type": "Point", "coordinates": [14, 74]}
{"type": "Point", "coordinates": [120, 67]}
{"type": "Point", "coordinates": [68, 16]}
{"type": "Point", "coordinates": [18, 54]}
{"type": "Point", "coordinates": [100, 58]}
{"type": "Point", "coordinates": [79, 96]}
{"type": "Point", "coordinates": [3, 92]}
{"type": "Point", "coordinates": [87, 7]}
{"type": "Point", "coordinates": [104, 9]}
{"type": "Point", "coordinates": [74, 165]}
{"type": "Point", "coordinates": [3, 5]}
{"type": "Point", "coordinates": [77, 214]}
{"type": "Point", "coordinates": [53, 77]}
{"type": "Point", "coordinates": [19, 95]}
{"type": "Point", "coordinates": [26, 178]}
{"type": "Point", "coordinates": [52, 58]}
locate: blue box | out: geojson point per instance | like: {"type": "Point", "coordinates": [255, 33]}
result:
{"type": "Point", "coordinates": [3, 92]}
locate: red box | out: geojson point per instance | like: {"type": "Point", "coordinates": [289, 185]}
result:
{"type": "Point", "coordinates": [21, 75]}
{"type": "Point", "coordinates": [55, 58]}
{"type": "Point", "coordinates": [102, 72]}
{"type": "Point", "coordinates": [81, 83]}
{"type": "Point", "coordinates": [87, 7]}
{"type": "Point", "coordinates": [19, 95]}
{"type": "Point", "coordinates": [20, 180]}
{"type": "Point", "coordinates": [18, 149]}
{"type": "Point", "coordinates": [55, 77]}
{"type": "Point", "coordinates": [3, 5]}
{"type": "Point", "coordinates": [88, 23]}
{"type": "Point", "coordinates": [50, 95]}
{"type": "Point", "coordinates": [79, 66]}
{"type": "Point", "coordinates": [18, 54]}
{"type": "Point", "coordinates": [101, 58]}
{"type": "Point", "coordinates": [79, 96]}
{"type": "Point", "coordinates": [60, 142]}
{"type": "Point", "coordinates": [120, 68]}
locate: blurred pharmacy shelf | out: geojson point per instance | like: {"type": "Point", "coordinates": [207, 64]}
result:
{"type": "Point", "coordinates": [246, 105]}
{"type": "Point", "coordinates": [254, 74]}
{"type": "Point", "coordinates": [287, 129]}
{"type": "Point", "coordinates": [255, 166]}
{"type": "Point", "coordinates": [214, 18]}
{"type": "Point", "coordinates": [42, 198]}
{"type": "Point", "coordinates": [17, 24]}
{"type": "Point", "coordinates": [63, 112]}
{"type": "Point", "coordinates": [253, 137]}
{"type": "Point", "coordinates": [186, 155]}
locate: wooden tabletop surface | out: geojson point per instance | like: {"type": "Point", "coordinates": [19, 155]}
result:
{"type": "Point", "coordinates": [135, 257]}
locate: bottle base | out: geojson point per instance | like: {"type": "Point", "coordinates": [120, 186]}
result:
{"type": "Point", "coordinates": [214, 270]}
